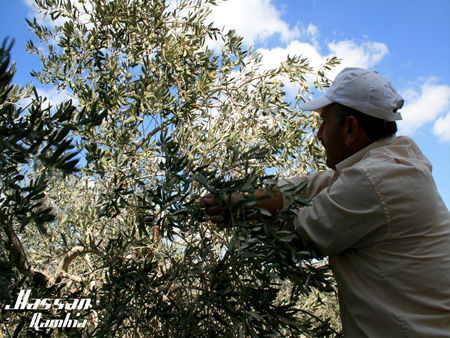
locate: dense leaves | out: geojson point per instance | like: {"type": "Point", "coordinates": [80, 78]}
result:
{"type": "Point", "coordinates": [166, 108]}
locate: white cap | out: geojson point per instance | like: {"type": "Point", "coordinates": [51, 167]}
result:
{"type": "Point", "coordinates": [365, 91]}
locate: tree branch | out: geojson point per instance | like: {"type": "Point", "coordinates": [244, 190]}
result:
{"type": "Point", "coordinates": [67, 260]}
{"type": "Point", "coordinates": [148, 136]}
{"type": "Point", "coordinates": [19, 259]}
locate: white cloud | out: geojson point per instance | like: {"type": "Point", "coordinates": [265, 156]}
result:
{"type": "Point", "coordinates": [254, 20]}
{"type": "Point", "coordinates": [313, 32]}
{"type": "Point", "coordinates": [265, 22]}
{"type": "Point", "coordinates": [47, 20]}
{"type": "Point", "coordinates": [441, 128]}
{"type": "Point", "coordinates": [55, 96]}
{"type": "Point", "coordinates": [365, 55]}
{"type": "Point", "coordinates": [425, 106]}
{"type": "Point", "coordinates": [273, 57]}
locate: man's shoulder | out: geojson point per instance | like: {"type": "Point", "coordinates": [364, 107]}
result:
{"type": "Point", "coordinates": [401, 152]}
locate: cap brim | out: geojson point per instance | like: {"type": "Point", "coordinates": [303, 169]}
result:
{"type": "Point", "coordinates": [316, 104]}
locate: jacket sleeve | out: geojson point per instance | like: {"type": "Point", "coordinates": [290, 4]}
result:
{"type": "Point", "coordinates": [316, 183]}
{"type": "Point", "coordinates": [345, 215]}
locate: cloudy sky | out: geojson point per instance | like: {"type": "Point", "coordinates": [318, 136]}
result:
{"type": "Point", "coordinates": [407, 41]}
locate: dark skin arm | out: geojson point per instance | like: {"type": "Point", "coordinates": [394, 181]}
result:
{"type": "Point", "coordinates": [272, 202]}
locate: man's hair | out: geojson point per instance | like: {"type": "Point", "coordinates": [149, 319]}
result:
{"type": "Point", "coordinates": [377, 129]}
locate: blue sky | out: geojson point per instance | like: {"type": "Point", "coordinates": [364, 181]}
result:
{"type": "Point", "coordinates": [407, 41]}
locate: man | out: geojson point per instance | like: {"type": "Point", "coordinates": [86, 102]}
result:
{"type": "Point", "coordinates": [377, 214]}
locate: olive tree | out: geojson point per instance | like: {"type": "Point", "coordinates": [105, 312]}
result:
{"type": "Point", "coordinates": [159, 117]}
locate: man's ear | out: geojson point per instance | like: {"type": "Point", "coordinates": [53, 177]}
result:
{"type": "Point", "coordinates": [352, 130]}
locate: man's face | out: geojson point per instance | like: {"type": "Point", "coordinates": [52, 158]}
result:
{"type": "Point", "coordinates": [332, 137]}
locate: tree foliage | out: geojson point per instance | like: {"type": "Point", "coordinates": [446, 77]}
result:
{"type": "Point", "coordinates": [165, 108]}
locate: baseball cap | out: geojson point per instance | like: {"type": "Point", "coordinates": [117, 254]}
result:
{"type": "Point", "coordinates": [363, 90]}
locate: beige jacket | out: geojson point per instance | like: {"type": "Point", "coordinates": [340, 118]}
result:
{"type": "Point", "coordinates": [382, 222]}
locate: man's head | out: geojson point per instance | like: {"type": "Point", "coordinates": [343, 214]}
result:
{"type": "Point", "coordinates": [345, 131]}
{"type": "Point", "coordinates": [364, 91]}
{"type": "Point", "coordinates": [359, 108]}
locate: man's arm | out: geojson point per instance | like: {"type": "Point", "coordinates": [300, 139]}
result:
{"type": "Point", "coordinates": [272, 201]}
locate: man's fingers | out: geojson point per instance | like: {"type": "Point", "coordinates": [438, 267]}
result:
{"type": "Point", "coordinates": [207, 200]}
{"type": "Point", "coordinates": [216, 219]}
{"type": "Point", "coordinates": [214, 210]}
{"type": "Point", "coordinates": [219, 221]}
{"type": "Point", "coordinates": [222, 226]}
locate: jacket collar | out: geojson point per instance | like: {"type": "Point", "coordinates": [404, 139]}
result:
{"type": "Point", "coordinates": [358, 156]}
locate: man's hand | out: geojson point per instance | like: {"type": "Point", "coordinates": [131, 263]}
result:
{"type": "Point", "coordinates": [214, 210]}
{"type": "Point", "coordinates": [218, 213]}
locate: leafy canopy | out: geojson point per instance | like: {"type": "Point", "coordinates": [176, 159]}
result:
{"type": "Point", "coordinates": [104, 189]}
